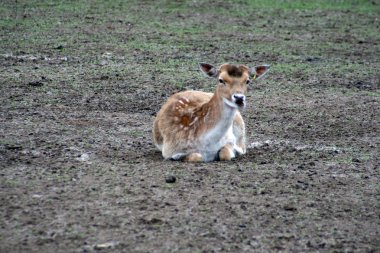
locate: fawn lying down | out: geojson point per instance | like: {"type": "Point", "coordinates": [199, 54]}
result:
{"type": "Point", "coordinates": [198, 126]}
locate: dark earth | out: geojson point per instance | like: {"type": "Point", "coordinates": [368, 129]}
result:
{"type": "Point", "coordinates": [81, 82]}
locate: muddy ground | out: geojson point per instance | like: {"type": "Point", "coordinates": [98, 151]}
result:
{"type": "Point", "coordinates": [81, 82]}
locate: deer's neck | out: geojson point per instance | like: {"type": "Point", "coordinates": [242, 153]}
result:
{"type": "Point", "coordinates": [218, 118]}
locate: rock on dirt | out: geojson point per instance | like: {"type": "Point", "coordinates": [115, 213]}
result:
{"type": "Point", "coordinates": [170, 179]}
{"type": "Point", "coordinates": [35, 83]}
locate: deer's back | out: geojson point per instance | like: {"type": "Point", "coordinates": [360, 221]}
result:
{"type": "Point", "coordinates": [178, 114]}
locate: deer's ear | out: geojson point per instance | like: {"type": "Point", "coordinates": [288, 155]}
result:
{"type": "Point", "coordinates": [258, 71]}
{"type": "Point", "coordinates": [209, 70]}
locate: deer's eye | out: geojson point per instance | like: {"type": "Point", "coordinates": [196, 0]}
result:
{"type": "Point", "coordinates": [221, 81]}
{"type": "Point", "coordinates": [248, 81]}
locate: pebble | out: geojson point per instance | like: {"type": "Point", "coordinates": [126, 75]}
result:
{"type": "Point", "coordinates": [60, 47]}
{"type": "Point", "coordinates": [170, 179]}
{"type": "Point", "coordinates": [84, 157]}
{"type": "Point", "coordinates": [290, 207]}
{"type": "Point", "coordinates": [35, 83]}
{"type": "Point", "coordinates": [107, 245]}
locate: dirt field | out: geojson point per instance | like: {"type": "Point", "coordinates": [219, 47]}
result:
{"type": "Point", "coordinates": [81, 82]}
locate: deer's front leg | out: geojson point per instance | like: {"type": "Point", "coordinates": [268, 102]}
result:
{"type": "Point", "coordinates": [227, 153]}
{"type": "Point", "coordinates": [194, 157]}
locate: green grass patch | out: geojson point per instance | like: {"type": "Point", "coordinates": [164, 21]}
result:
{"type": "Point", "coordinates": [353, 5]}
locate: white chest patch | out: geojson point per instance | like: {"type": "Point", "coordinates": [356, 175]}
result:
{"type": "Point", "coordinates": [217, 137]}
{"type": "Point", "coordinates": [210, 147]}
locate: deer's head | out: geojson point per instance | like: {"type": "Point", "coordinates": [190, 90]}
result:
{"type": "Point", "coordinates": [233, 81]}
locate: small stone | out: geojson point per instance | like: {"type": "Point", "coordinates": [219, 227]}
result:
{"type": "Point", "coordinates": [35, 83]}
{"type": "Point", "coordinates": [13, 147]}
{"type": "Point", "coordinates": [107, 245]}
{"type": "Point", "coordinates": [35, 153]}
{"type": "Point", "coordinates": [84, 157]}
{"type": "Point", "coordinates": [312, 59]}
{"type": "Point", "coordinates": [290, 207]}
{"type": "Point", "coordinates": [170, 179]}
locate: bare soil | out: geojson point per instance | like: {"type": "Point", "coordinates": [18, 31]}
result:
{"type": "Point", "coordinates": [79, 172]}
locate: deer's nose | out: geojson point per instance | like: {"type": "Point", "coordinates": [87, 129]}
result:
{"type": "Point", "coordinates": [239, 99]}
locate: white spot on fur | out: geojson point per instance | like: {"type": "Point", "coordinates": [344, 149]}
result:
{"type": "Point", "coordinates": [194, 120]}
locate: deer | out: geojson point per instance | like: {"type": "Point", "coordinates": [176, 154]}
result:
{"type": "Point", "coordinates": [198, 126]}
